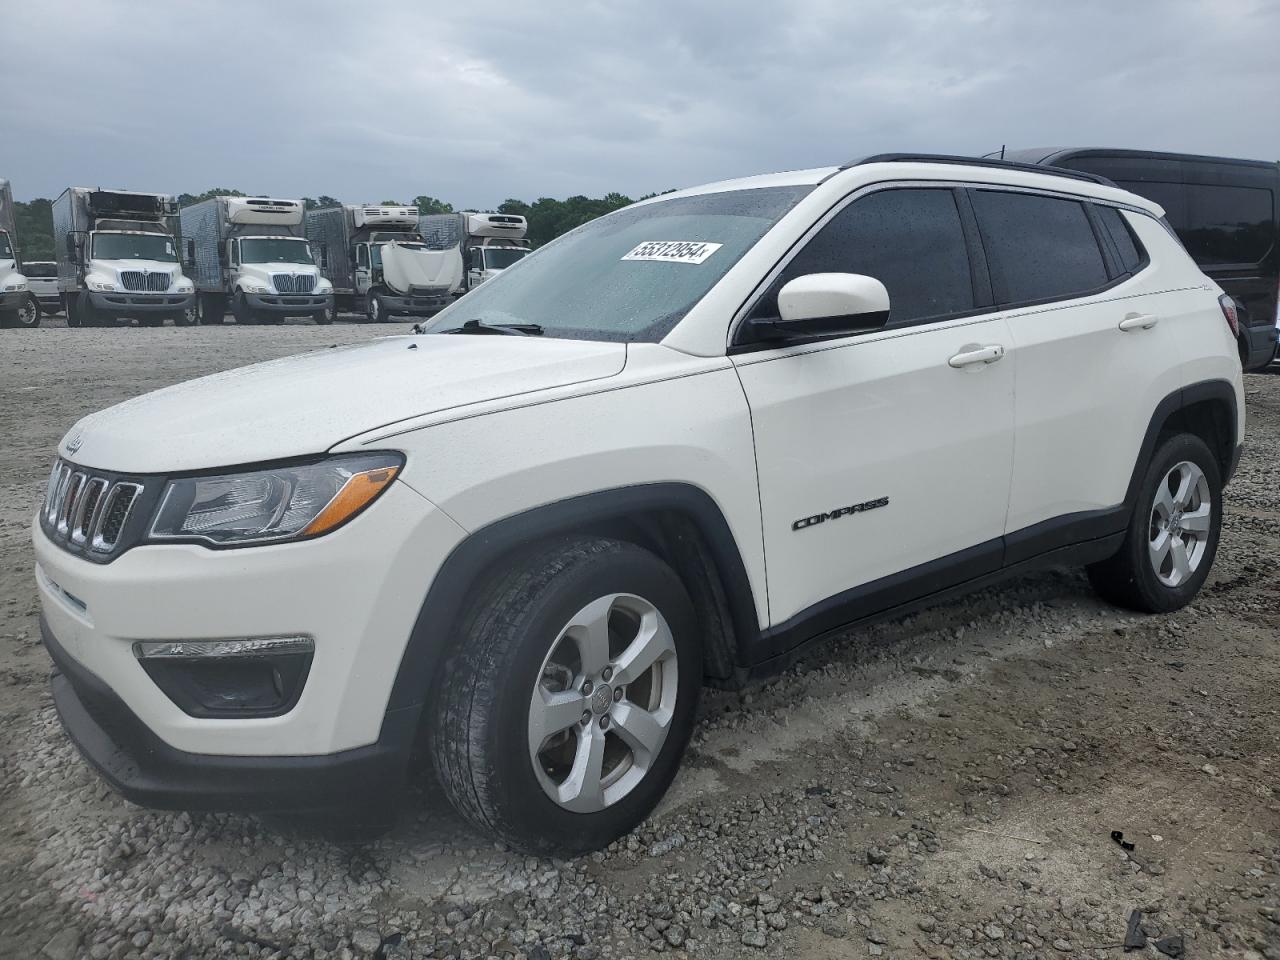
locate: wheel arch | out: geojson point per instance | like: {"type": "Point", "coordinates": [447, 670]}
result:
{"type": "Point", "coordinates": [1208, 410]}
{"type": "Point", "coordinates": [681, 523]}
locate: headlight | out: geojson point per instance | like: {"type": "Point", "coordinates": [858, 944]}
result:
{"type": "Point", "coordinates": [323, 286]}
{"type": "Point", "coordinates": [268, 506]}
{"type": "Point", "coordinates": [252, 286]}
{"type": "Point", "coordinates": [15, 287]}
{"type": "Point", "coordinates": [185, 288]}
{"type": "Point", "coordinates": [102, 286]}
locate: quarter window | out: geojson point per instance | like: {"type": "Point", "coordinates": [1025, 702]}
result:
{"type": "Point", "coordinates": [1038, 248]}
{"type": "Point", "coordinates": [910, 240]}
{"type": "Point", "coordinates": [1113, 221]}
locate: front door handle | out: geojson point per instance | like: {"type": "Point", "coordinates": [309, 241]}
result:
{"type": "Point", "coordinates": [1138, 321]}
{"type": "Point", "coordinates": [972, 353]}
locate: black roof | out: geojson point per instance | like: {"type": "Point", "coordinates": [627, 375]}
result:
{"type": "Point", "coordinates": [1051, 155]}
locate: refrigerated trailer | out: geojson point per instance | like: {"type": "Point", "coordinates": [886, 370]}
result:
{"type": "Point", "coordinates": [379, 263]}
{"type": "Point", "coordinates": [18, 305]}
{"type": "Point", "coordinates": [117, 257]}
{"type": "Point", "coordinates": [490, 242]}
{"type": "Point", "coordinates": [250, 254]}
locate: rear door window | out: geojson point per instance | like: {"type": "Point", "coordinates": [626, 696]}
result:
{"type": "Point", "coordinates": [1038, 248]}
{"type": "Point", "coordinates": [909, 239]}
{"type": "Point", "coordinates": [1121, 234]}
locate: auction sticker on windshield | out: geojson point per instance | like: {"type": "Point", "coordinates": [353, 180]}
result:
{"type": "Point", "coordinates": [674, 251]}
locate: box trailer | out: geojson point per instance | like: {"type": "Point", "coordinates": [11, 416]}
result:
{"type": "Point", "coordinates": [250, 254]}
{"type": "Point", "coordinates": [117, 257]}
{"type": "Point", "coordinates": [379, 263]}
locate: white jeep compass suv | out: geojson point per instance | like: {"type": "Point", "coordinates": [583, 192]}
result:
{"type": "Point", "coordinates": [670, 449]}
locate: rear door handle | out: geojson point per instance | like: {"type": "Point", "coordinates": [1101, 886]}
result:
{"type": "Point", "coordinates": [1138, 321]}
{"type": "Point", "coordinates": [972, 353]}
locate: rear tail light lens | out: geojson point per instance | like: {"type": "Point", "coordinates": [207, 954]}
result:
{"type": "Point", "coordinates": [1230, 313]}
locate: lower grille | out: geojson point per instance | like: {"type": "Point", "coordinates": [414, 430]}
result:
{"type": "Point", "coordinates": [290, 283]}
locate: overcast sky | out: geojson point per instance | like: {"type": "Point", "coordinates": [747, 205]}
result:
{"type": "Point", "coordinates": [474, 102]}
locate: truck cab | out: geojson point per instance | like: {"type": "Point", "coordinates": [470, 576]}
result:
{"type": "Point", "coordinates": [18, 307]}
{"type": "Point", "coordinates": [118, 258]}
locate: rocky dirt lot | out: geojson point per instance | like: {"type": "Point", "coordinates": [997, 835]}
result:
{"type": "Point", "coordinates": [945, 785]}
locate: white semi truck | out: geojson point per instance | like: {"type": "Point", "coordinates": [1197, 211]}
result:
{"type": "Point", "coordinates": [18, 306]}
{"type": "Point", "coordinates": [118, 258]}
{"type": "Point", "coordinates": [490, 242]}
{"type": "Point", "coordinates": [249, 254]}
{"type": "Point", "coordinates": [379, 263]}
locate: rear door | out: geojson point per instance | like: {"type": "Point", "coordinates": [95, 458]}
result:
{"type": "Point", "coordinates": [883, 468]}
{"type": "Point", "coordinates": [1095, 350]}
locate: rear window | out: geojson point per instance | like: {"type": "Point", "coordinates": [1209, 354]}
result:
{"type": "Point", "coordinates": [1121, 234]}
{"type": "Point", "coordinates": [1038, 248]}
{"type": "Point", "coordinates": [1217, 224]}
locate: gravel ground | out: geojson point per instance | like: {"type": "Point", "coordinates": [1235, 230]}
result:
{"type": "Point", "coordinates": [941, 786]}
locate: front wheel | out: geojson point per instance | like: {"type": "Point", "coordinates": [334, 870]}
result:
{"type": "Point", "coordinates": [323, 317]}
{"type": "Point", "coordinates": [375, 309]}
{"type": "Point", "coordinates": [241, 310]}
{"type": "Point", "coordinates": [28, 314]}
{"type": "Point", "coordinates": [1173, 533]}
{"type": "Point", "coordinates": [564, 711]}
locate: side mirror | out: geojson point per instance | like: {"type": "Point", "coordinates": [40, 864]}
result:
{"type": "Point", "coordinates": [324, 256]}
{"type": "Point", "coordinates": [827, 305]}
{"type": "Point", "coordinates": [190, 251]}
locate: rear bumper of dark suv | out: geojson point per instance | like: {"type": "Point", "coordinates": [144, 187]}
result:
{"type": "Point", "coordinates": [143, 768]}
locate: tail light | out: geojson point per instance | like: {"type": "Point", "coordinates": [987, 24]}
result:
{"type": "Point", "coordinates": [1230, 313]}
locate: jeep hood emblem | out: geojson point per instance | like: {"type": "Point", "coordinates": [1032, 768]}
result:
{"type": "Point", "coordinates": [74, 443]}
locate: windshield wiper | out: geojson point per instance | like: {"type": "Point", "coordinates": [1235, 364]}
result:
{"type": "Point", "coordinates": [511, 329]}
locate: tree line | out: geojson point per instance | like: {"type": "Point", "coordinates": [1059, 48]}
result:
{"type": "Point", "coordinates": [547, 216]}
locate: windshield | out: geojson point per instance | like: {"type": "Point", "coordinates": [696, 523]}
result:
{"type": "Point", "coordinates": [499, 258]}
{"type": "Point", "coordinates": [274, 250]}
{"type": "Point", "coordinates": [6, 251]}
{"type": "Point", "coordinates": [631, 275]}
{"type": "Point", "coordinates": [133, 246]}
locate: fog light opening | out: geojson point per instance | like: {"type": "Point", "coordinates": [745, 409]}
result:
{"type": "Point", "coordinates": [233, 678]}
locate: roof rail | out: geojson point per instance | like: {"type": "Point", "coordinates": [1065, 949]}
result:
{"type": "Point", "coordinates": [980, 162]}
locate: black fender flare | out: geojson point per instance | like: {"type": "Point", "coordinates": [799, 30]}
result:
{"type": "Point", "coordinates": [430, 637]}
{"type": "Point", "coordinates": [1216, 390]}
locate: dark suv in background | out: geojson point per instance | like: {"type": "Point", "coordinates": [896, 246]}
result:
{"type": "Point", "coordinates": [1225, 211]}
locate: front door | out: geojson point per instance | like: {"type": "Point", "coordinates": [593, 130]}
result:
{"type": "Point", "coordinates": [883, 458]}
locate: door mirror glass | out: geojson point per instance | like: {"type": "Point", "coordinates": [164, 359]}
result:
{"type": "Point", "coordinates": [831, 304]}
{"type": "Point", "coordinates": [190, 252]}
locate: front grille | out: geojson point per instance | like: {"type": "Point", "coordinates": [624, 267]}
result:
{"type": "Point", "coordinates": [136, 281]}
{"type": "Point", "coordinates": [85, 512]}
{"type": "Point", "coordinates": [289, 283]}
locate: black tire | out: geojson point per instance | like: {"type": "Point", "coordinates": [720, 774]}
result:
{"type": "Point", "coordinates": [1129, 578]}
{"type": "Point", "coordinates": [28, 315]}
{"type": "Point", "coordinates": [323, 317]}
{"type": "Point", "coordinates": [479, 737]}
{"type": "Point", "coordinates": [375, 309]}
{"type": "Point", "coordinates": [241, 310]}
{"type": "Point", "coordinates": [213, 310]}
{"type": "Point", "coordinates": [72, 306]}
{"type": "Point", "coordinates": [188, 317]}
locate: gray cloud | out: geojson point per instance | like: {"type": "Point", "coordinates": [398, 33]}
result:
{"type": "Point", "coordinates": [482, 101]}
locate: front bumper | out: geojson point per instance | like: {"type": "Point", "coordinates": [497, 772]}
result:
{"type": "Point", "coordinates": [356, 591]}
{"type": "Point", "coordinates": [290, 304]}
{"type": "Point", "coordinates": [143, 768]}
{"type": "Point", "coordinates": [129, 304]}
{"type": "Point", "coordinates": [419, 306]}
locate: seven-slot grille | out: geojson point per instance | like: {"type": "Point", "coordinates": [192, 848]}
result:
{"type": "Point", "coordinates": [85, 511]}
{"type": "Point", "coordinates": [290, 283]}
{"type": "Point", "coordinates": [137, 281]}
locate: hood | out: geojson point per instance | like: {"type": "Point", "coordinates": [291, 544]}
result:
{"type": "Point", "coordinates": [307, 404]}
{"type": "Point", "coordinates": [404, 268]}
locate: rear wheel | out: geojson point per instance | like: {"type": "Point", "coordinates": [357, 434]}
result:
{"type": "Point", "coordinates": [563, 714]}
{"type": "Point", "coordinates": [213, 309]}
{"type": "Point", "coordinates": [1173, 534]}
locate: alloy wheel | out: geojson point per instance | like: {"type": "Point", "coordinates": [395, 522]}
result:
{"type": "Point", "coordinates": [603, 703]}
{"type": "Point", "coordinates": [1181, 518]}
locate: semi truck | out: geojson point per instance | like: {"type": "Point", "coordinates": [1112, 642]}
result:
{"type": "Point", "coordinates": [378, 262]}
{"type": "Point", "coordinates": [250, 254]}
{"type": "Point", "coordinates": [18, 306]}
{"type": "Point", "coordinates": [118, 258]}
{"type": "Point", "coordinates": [490, 242]}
